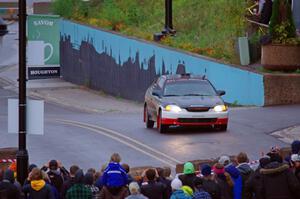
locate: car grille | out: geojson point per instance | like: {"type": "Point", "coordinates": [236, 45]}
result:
{"type": "Point", "coordinates": [197, 109]}
{"type": "Point", "coordinates": [196, 120]}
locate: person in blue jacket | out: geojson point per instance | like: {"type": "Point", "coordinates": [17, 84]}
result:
{"type": "Point", "coordinates": [114, 176]}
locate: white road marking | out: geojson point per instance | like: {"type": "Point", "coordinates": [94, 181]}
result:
{"type": "Point", "coordinates": [114, 135]}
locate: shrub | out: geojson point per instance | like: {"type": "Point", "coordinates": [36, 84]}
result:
{"type": "Point", "coordinates": [282, 28]}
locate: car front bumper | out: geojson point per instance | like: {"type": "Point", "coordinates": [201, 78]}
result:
{"type": "Point", "coordinates": [185, 118]}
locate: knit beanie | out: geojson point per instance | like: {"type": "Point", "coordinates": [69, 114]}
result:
{"type": "Point", "coordinates": [205, 170]}
{"type": "Point", "coordinates": [218, 169]}
{"type": "Point", "coordinates": [176, 184]}
{"type": "Point", "coordinates": [188, 168]}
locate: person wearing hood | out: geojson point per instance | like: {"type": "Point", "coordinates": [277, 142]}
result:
{"type": "Point", "coordinates": [254, 183]}
{"type": "Point", "coordinates": [37, 188]}
{"type": "Point", "coordinates": [178, 192]}
{"type": "Point", "coordinates": [279, 182]}
{"type": "Point", "coordinates": [234, 174]}
{"type": "Point", "coordinates": [244, 169]}
{"type": "Point", "coordinates": [114, 176]}
{"type": "Point", "coordinates": [79, 190]}
{"type": "Point", "coordinates": [224, 180]}
{"type": "Point", "coordinates": [189, 174]}
{"type": "Point", "coordinates": [7, 188]}
{"type": "Point", "coordinates": [210, 184]}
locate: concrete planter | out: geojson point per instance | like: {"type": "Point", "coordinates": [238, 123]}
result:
{"type": "Point", "coordinates": [280, 57]}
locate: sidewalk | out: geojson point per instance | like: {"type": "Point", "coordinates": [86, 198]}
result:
{"type": "Point", "coordinates": [57, 91]}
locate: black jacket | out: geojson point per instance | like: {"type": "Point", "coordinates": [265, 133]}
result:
{"type": "Point", "coordinates": [67, 185]}
{"type": "Point", "coordinates": [167, 183]}
{"type": "Point", "coordinates": [253, 186]}
{"type": "Point", "coordinates": [188, 179]}
{"type": "Point", "coordinates": [278, 182]}
{"type": "Point", "coordinates": [212, 188]}
{"type": "Point", "coordinates": [154, 190]}
{"type": "Point", "coordinates": [8, 190]}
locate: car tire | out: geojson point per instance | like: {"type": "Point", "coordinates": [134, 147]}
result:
{"type": "Point", "coordinates": [160, 127]}
{"type": "Point", "coordinates": [221, 127]}
{"type": "Point", "coordinates": [149, 123]}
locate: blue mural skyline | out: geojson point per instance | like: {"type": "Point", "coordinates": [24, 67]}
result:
{"type": "Point", "coordinates": [241, 86]}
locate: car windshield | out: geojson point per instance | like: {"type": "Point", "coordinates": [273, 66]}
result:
{"type": "Point", "coordinates": [189, 88]}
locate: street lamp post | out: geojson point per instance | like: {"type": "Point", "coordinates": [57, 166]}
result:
{"type": "Point", "coordinates": [22, 154]}
{"type": "Point", "coordinates": [168, 29]}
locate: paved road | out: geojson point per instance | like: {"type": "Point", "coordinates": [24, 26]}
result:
{"type": "Point", "coordinates": [88, 139]}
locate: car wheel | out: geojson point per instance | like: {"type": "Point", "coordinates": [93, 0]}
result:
{"type": "Point", "coordinates": [160, 127]}
{"type": "Point", "coordinates": [222, 127]}
{"type": "Point", "coordinates": [149, 123]}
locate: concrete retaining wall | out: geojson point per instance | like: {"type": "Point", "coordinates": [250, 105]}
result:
{"type": "Point", "coordinates": [125, 66]}
{"type": "Point", "coordinates": [282, 89]}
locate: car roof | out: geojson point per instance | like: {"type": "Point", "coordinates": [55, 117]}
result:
{"type": "Point", "coordinates": [185, 76]}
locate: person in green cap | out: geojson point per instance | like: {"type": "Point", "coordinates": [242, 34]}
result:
{"type": "Point", "coordinates": [188, 176]}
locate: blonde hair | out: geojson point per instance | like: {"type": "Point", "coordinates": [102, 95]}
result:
{"type": "Point", "coordinates": [134, 188]}
{"type": "Point", "coordinates": [115, 158]}
{"type": "Point", "coordinates": [36, 174]}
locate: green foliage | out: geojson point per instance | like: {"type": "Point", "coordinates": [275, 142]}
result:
{"type": "Point", "coordinates": [208, 27]}
{"type": "Point", "coordinates": [282, 27]}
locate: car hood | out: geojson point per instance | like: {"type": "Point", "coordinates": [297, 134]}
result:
{"type": "Point", "coordinates": [193, 101]}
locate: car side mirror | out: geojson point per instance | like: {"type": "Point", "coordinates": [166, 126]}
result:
{"type": "Point", "coordinates": [220, 92]}
{"type": "Point", "coordinates": [156, 92]}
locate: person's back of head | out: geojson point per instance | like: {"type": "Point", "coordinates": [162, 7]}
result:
{"type": "Point", "coordinates": [88, 178]}
{"type": "Point", "coordinates": [73, 170]}
{"type": "Point", "coordinates": [176, 184]}
{"type": "Point", "coordinates": [167, 172]}
{"type": "Point", "coordinates": [295, 146]}
{"type": "Point", "coordinates": [91, 170]}
{"type": "Point", "coordinates": [79, 176]}
{"type": "Point", "coordinates": [9, 176]}
{"type": "Point", "coordinates": [198, 183]}
{"type": "Point", "coordinates": [160, 172]}
{"type": "Point", "coordinates": [115, 158]}
{"type": "Point", "coordinates": [36, 174]}
{"type": "Point", "coordinates": [134, 188]}
{"type": "Point", "coordinates": [150, 174]}
{"type": "Point", "coordinates": [126, 167]}
{"type": "Point", "coordinates": [188, 168]}
{"type": "Point", "coordinates": [224, 160]}
{"type": "Point", "coordinates": [242, 158]}
{"type": "Point", "coordinates": [206, 170]}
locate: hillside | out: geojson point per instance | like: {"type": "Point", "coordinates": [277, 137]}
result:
{"type": "Point", "coordinates": [208, 27]}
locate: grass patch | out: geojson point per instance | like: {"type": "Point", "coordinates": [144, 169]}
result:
{"type": "Point", "coordinates": [207, 27]}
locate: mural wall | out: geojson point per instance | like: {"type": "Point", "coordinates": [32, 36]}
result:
{"type": "Point", "coordinates": [126, 67]}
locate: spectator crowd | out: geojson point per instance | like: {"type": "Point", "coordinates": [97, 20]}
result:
{"type": "Point", "coordinates": [228, 178]}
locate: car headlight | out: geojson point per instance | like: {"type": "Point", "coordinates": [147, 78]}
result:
{"type": "Point", "coordinates": [220, 108]}
{"type": "Point", "coordinates": [173, 108]}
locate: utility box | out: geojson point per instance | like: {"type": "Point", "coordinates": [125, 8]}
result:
{"type": "Point", "coordinates": [244, 51]}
